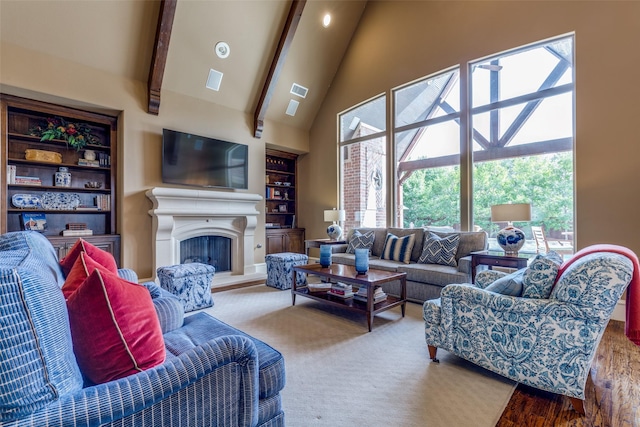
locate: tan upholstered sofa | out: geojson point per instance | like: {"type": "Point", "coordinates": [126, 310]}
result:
{"type": "Point", "coordinates": [424, 281]}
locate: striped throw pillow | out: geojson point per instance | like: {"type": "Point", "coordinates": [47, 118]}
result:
{"type": "Point", "coordinates": [440, 250]}
{"type": "Point", "coordinates": [398, 248]}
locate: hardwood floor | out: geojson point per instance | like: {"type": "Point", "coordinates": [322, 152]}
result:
{"type": "Point", "coordinates": [612, 391]}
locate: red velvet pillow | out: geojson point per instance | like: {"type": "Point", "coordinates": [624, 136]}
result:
{"type": "Point", "coordinates": [114, 327]}
{"type": "Point", "coordinates": [81, 269]}
{"type": "Point", "coordinates": [103, 257]}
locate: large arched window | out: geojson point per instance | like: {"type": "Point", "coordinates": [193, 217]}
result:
{"type": "Point", "coordinates": [499, 132]}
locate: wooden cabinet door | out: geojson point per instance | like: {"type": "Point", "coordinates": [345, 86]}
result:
{"type": "Point", "coordinates": [285, 240]}
{"type": "Point", "coordinates": [295, 241]}
{"type": "Point", "coordinates": [275, 242]}
{"type": "Point", "coordinates": [108, 243]}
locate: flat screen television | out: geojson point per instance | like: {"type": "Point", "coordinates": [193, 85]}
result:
{"type": "Point", "coordinates": [199, 161]}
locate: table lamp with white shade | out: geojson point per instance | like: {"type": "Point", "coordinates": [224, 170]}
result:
{"type": "Point", "coordinates": [334, 215]}
{"type": "Point", "coordinates": [510, 238]}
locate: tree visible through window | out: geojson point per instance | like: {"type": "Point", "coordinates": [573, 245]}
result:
{"type": "Point", "coordinates": [522, 120]}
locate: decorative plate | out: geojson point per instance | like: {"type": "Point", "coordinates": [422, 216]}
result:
{"type": "Point", "coordinates": [26, 201]}
{"type": "Point", "coordinates": [60, 201]}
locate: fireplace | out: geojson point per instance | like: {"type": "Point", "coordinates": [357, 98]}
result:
{"type": "Point", "coordinates": [212, 250]}
{"type": "Point", "coordinates": [212, 227]}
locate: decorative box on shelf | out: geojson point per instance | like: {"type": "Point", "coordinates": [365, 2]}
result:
{"type": "Point", "coordinates": [42, 156]}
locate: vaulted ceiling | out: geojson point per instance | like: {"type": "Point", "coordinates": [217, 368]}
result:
{"type": "Point", "coordinates": [118, 37]}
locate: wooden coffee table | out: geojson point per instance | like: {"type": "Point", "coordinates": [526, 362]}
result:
{"type": "Point", "coordinates": [348, 274]}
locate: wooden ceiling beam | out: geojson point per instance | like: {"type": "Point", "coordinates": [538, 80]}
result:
{"type": "Point", "coordinates": [160, 50]}
{"type": "Point", "coordinates": [289, 30]}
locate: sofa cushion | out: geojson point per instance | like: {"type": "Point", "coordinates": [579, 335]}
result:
{"type": "Point", "coordinates": [440, 250]}
{"type": "Point", "coordinates": [398, 248]}
{"type": "Point", "coordinates": [360, 240]}
{"type": "Point", "coordinates": [433, 274]}
{"type": "Point", "coordinates": [115, 329]}
{"type": "Point", "coordinates": [36, 352]}
{"type": "Point", "coordinates": [81, 269]}
{"type": "Point", "coordinates": [201, 327]}
{"type": "Point", "coordinates": [103, 257]}
{"type": "Point", "coordinates": [540, 276]}
{"type": "Point", "coordinates": [511, 284]}
{"type": "Point", "coordinates": [36, 244]}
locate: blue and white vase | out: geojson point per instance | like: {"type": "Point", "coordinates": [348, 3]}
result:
{"type": "Point", "coordinates": [334, 231]}
{"type": "Point", "coordinates": [62, 177]}
{"type": "Point", "coordinates": [510, 239]}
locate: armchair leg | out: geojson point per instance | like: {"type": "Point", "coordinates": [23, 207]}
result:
{"type": "Point", "coordinates": [432, 353]}
{"type": "Point", "coordinates": [578, 405]}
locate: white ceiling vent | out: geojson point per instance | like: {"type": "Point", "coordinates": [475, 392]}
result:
{"type": "Point", "coordinates": [292, 107]}
{"type": "Point", "coordinates": [214, 80]}
{"type": "Point", "coordinates": [298, 90]}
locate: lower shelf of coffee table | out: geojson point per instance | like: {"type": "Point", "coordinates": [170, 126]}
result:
{"type": "Point", "coordinates": [349, 303]}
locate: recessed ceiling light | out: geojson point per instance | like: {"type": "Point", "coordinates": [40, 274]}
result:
{"type": "Point", "coordinates": [222, 50]}
{"type": "Point", "coordinates": [214, 80]}
{"type": "Point", "coordinates": [292, 107]}
{"type": "Point", "coordinates": [326, 20]}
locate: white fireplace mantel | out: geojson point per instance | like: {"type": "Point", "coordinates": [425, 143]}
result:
{"type": "Point", "coordinates": [180, 214]}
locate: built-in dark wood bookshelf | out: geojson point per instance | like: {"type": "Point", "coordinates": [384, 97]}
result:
{"type": "Point", "coordinates": [75, 204]}
{"type": "Point", "coordinates": [282, 233]}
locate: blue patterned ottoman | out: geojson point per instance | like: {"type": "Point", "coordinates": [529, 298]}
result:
{"type": "Point", "coordinates": [280, 269]}
{"type": "Point", "coordinates": [191, 283]}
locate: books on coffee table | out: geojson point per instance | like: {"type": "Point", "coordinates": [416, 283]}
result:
{"type": "Point", "coordinates": [341, 290]}
{"type": "Point", "coordinates": [378, 295]}
{"type": "Point", "coordinates": [319, 287]}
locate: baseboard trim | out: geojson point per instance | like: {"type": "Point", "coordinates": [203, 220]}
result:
{"type": "Point", "coordinates": [619, 313]}
{"type": "Point", "coordinates": [237, 286]}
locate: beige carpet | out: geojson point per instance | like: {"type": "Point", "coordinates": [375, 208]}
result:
{"type": "Point", "coordinates": [338, 374]}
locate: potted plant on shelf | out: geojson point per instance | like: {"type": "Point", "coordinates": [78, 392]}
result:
{"type": "Point", "coordinates": [77, 135]}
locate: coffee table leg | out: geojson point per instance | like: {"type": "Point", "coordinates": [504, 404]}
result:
{"type": "Point", "coordinates": [370, 306]}
{"type": "Point", "coordinates": [294, 287]}
{"type": "Point", "coordinates": [403, 284]}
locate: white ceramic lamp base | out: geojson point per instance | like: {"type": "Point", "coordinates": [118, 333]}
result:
{"type": "Point", "coordinates": [334, 231]}
{"type": "Point", "coordinates": [510, 239]}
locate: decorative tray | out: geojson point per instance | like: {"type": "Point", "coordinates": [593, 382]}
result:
{"type": "Point", "coordinates": [26, 201]}
{"type": "Point", "coordinates": [60, 201]}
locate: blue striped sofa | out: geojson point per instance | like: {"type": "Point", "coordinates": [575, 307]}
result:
{"type": "Point", "coordinates": [213, 375]}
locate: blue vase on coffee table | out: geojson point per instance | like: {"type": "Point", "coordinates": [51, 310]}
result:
{"type": "Point", "coordinates": [362, 261]}
{"type": "Point", "coordinates": [325, 255]}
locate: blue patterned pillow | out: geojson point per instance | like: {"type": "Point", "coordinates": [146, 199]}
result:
{"type": "Point", "coordinates": [398, 248]}
{"type": "Point", "coordinates": [361, 241]}
{"type": "Point", "coordinates": [540, 276]}
{"type": "Point", "coordinates": [511, 284]}
{"type": "Point", "coordinates": [440, 250]}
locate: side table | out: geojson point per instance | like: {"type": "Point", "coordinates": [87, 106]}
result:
{"type": "Point", "coordinates": [497, 259]}
{"type": "Point", "coordinates": [315, 243]}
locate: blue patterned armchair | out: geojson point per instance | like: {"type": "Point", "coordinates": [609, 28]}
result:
{"type": "Point", "coordinates": [547, 341]}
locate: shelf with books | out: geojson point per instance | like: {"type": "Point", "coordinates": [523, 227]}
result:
{"type": "Point", "coordinates": [280, 204]}
{"type": "Point", "coordinates": [61, 153]}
